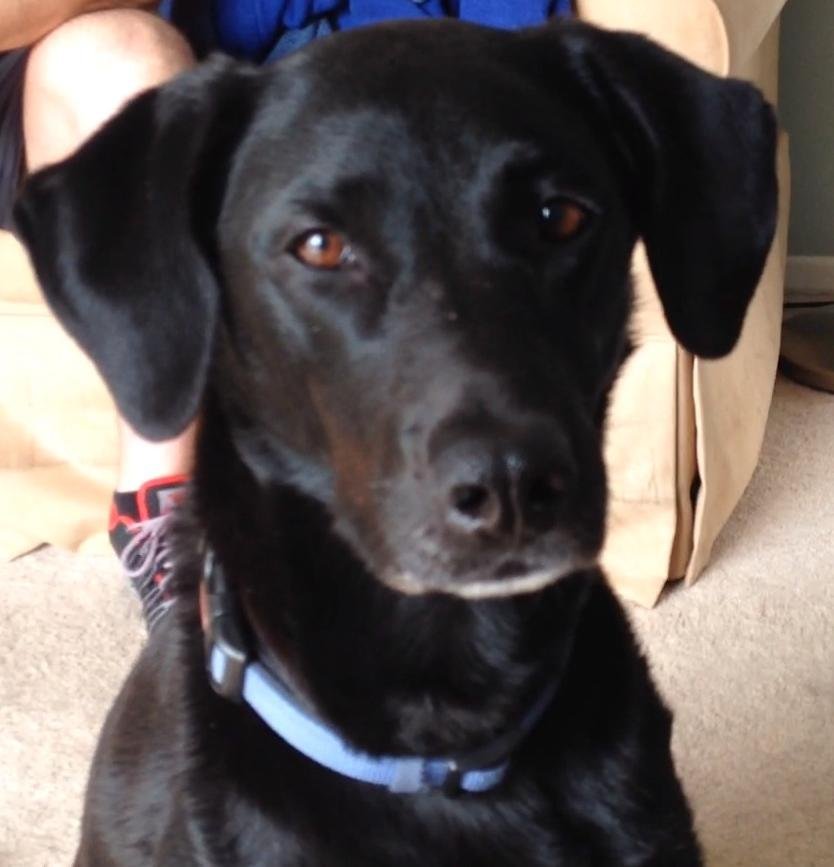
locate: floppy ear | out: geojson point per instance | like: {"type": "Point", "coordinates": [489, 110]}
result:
{"type": "Point", "coordinates": [121, 237]}
{"type": "Point", "coordinates": [699, 153]}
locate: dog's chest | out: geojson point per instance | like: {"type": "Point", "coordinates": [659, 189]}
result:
{"type": "Point", "coordinates": [397, 831]}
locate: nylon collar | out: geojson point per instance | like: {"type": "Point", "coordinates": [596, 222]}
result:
{"type": "Point", "coordinates": [237, 675]}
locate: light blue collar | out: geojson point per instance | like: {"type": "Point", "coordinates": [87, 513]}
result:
{"type": "Point", "coordinates": [238, 677]}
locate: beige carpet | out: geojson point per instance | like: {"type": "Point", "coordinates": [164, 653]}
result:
{"type": "Point", "coordinates": [746, 657]}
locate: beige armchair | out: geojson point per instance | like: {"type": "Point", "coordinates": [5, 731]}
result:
{"type": "Point", "coordinates": [684, 435]}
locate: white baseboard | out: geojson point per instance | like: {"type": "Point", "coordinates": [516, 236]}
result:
{"type": "Point", "coordinates": [810, 275]}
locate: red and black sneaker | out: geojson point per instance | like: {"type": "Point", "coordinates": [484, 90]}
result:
{"type": "Point", "coordinates": [138, 527]}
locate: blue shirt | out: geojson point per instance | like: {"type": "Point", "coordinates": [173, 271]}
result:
{"type": "Point", "coordinates": [263, 30]}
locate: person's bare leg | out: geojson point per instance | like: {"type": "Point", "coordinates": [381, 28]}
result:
{"type": "Point", "coordinates": [76, 78]}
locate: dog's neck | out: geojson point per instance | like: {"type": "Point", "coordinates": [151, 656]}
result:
{"type": "Point", "coordinates": [240, 673]}
{"type": "Point", "coordinates": [394, 674]}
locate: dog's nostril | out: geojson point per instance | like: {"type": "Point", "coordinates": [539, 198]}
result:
{"type": "Point", "coordinates": [544, 495]}
{"type": "Point", "coordinates": [474, 508]}
{"type": "Point", "coordinates": [470, 500]}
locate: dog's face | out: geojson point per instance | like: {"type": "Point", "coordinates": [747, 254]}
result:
{"type": "Point", "coordinates": [428, 301]}
{"type": "Point", "coordinates": [401, 259]}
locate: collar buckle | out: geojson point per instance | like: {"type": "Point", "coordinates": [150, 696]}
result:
{"type": "Point", "coordinates": [226, 654]}
{"type": "Point", "coordinates": [452, 781]}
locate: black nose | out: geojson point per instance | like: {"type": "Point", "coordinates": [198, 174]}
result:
{"type": "Point", "coordinates": [503, 486]}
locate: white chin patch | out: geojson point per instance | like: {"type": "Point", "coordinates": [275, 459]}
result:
{"type": "Point", "coordinates": [494, 588]}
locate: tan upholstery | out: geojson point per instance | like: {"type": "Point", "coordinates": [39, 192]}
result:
{"type": "Point", "coordinates": [57, 424]}
{"type": "Point", "coordinates": [684, 434]}
{"type": "Point", "coordinates": [677, 424]}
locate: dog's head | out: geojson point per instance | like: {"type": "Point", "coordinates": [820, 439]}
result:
{"type": "Point", "coordinates": [400, 259]}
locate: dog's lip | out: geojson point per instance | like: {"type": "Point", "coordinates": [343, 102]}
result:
{"type": "Point", "coordinates": [514, 568]}
{"type": "Point", "coordinates": [516, 584]}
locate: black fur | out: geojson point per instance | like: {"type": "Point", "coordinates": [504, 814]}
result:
{"type": "Point", "coordinates": [338, 407]}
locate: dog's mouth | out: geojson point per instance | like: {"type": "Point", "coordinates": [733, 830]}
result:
{"type": "Point", "coordinates": [512, 577]}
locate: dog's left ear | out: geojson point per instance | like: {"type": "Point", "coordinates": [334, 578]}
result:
{"type": "Point", "coordinates": [700, 160]}
{"type": "Point", "coordinates": [121, 235]}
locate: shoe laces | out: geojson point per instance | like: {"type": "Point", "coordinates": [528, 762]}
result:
{"type": "Point", "coordinates": [146, 556]}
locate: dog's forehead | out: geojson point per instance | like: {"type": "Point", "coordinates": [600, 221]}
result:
{"type": "Point", "coordinates": [405, 99]}
{"type": "Point", "coordinates": [436, 73]}
{"type": "Point", "coordinates": [401, 60]}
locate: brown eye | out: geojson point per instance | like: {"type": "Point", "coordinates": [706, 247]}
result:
{"type": "Point", "coordinates": [322, 248]}
{"type": "Point", "coordinates": [561, 219]}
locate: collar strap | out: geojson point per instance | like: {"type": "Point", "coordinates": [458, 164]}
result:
{"type": "Point", "coordinates": [236, 676]}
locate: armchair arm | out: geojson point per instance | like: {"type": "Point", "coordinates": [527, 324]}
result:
{"type": "Point", "coordinates": [719, 35]}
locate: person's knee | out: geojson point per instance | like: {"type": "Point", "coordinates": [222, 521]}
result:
{"type": "Point", "coordinates": [79, 75]}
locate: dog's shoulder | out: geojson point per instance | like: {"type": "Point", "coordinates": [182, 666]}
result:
{"type": "Point", "coordinates": [614, 769]}
{"type": "Point", "coordinates": [137, 774]}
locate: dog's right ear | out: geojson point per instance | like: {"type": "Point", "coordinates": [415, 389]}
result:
{"type": "Point", "coordinates": [697, 155]}
{"type": "Point", "coordinates": [121, 236]}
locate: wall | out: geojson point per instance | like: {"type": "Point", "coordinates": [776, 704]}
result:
{"type": "Point", "coordinates": [806, 108]}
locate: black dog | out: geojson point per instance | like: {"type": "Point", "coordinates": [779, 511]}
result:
{"type": "Point", "coordinates": [392, 273]}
